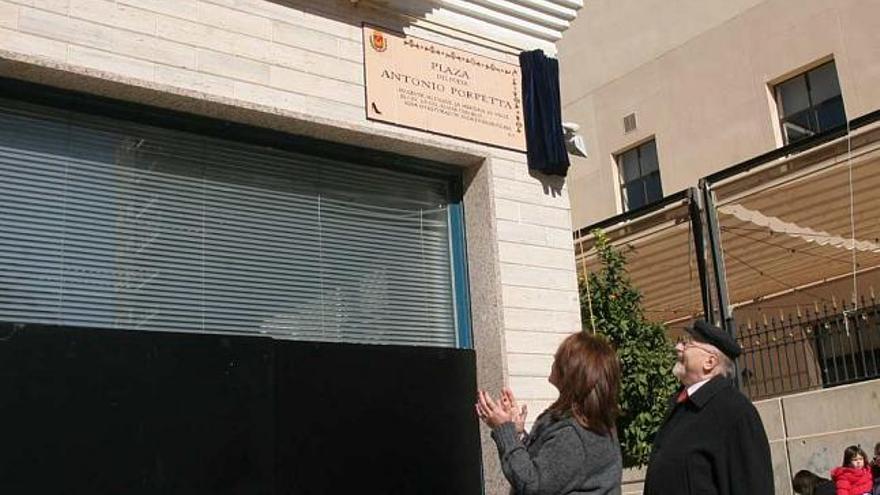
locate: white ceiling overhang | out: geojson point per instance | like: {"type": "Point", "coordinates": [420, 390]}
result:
{"type": "Point", "coordinates": [520, 23]}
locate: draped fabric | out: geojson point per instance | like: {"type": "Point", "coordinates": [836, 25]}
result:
{"type": "Point", "coordinates": [542, 112]}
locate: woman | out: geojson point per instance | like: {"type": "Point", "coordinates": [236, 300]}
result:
{"type": "Point", "coordinates": [573, 446]}
{"type": "Point", "coordinates": [809, 483]}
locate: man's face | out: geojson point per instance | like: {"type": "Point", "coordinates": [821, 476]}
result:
{"type": "Point", "coordinates": [691, 365]}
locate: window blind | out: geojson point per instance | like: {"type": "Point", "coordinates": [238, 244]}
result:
{"type": "Point", "coordinates": [114, 224]}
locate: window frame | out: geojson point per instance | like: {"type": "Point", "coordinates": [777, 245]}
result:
{"type": "Point", "coordinates": [67, 100]}
{"type": "Point", "coordinates": [811, 110]}
{"type": "Point", "coordinates": [622, 183]}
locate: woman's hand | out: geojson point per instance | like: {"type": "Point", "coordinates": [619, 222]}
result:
{"type": "Point", "coordinates": [508, 401]}
{"type": "Point", "coordinates": [490, 412]}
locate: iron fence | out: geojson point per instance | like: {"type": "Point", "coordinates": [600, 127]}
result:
{"type": "Point", "coordinates": [812, 348]}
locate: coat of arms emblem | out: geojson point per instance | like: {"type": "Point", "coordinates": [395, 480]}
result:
{"type": "Point", "coordinates": [378, 41]}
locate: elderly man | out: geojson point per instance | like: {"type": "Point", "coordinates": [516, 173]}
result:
{"type": "Point", "coordinates": [712, 440]}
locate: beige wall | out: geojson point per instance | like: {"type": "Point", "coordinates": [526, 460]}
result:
{"type": "Point", "coordinates": [296, 65]}
{"type": "Point", "coordinates": [697, 76]}
{"type": "Point", "coordinates": [811, 430]}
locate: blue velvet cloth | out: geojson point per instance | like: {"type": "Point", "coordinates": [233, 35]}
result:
{"type": "Point", "coordinates": [542, 113]}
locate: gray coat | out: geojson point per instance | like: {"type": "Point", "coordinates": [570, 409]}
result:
{"type": "Point", "coordinates": [560, 457]}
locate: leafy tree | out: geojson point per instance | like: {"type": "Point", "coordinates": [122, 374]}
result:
{"type": "Point", "coordinates": [646, 356]}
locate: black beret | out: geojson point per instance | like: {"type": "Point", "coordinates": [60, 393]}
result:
{"type": "Point", "coordinates": [710, 334]}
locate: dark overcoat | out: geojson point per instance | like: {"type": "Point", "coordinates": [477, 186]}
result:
{"type": "Point", "coordinates": [712, 444]}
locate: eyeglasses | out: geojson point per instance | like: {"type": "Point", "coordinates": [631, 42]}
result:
{"type": "Point", "coordinates": [688, 341]}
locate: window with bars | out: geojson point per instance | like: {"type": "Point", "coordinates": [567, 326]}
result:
{"type": "Point", "coordinates": [810, 103]}
{"type": "Point", "coordinates": [114, 224]}
{"type": "Point", "coordinates": [639, 173]}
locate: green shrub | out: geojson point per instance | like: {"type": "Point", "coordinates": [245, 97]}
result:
{"type": "Point", "coordinates": [646, 356]}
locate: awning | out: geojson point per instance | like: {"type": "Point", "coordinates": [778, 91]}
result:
{"type": "Point", "coordinates": [786, 226]}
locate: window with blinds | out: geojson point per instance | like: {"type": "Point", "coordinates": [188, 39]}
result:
{"type": "Point", "coordinates": [113, 224]}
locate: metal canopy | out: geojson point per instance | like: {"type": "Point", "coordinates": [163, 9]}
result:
{"type": "Point", "coordinates": [786, 227]}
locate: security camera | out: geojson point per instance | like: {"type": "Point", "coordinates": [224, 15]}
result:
{"type": "Point", "coordinates": [574, 143]}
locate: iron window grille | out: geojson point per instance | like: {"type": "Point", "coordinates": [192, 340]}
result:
{"type": "Point", "coordinates": [811, 349]}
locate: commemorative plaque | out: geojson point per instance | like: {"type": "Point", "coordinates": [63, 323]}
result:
{"type": "Point", "coordinates": [429, 86]}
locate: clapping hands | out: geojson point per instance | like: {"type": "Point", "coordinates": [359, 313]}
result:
{"type": "Point", "coordinates": [495, 413]}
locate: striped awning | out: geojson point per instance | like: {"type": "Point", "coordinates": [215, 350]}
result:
{"type": "Point", "coordinates": [791, 225]}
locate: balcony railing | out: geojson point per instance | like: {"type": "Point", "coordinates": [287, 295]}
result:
{"type": "Point", "coordinates": [818, 347]}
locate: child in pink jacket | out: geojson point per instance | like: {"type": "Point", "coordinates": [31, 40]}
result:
{"type": "Point", "coordinates": [854, 476]}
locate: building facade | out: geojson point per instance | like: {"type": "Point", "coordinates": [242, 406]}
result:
{"type": "Point", "coordinates": [763, 115]}
{"type": "Point", "coordinates": [206, 169]}
{"type": "Point", "coordinates": [693, 90]}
